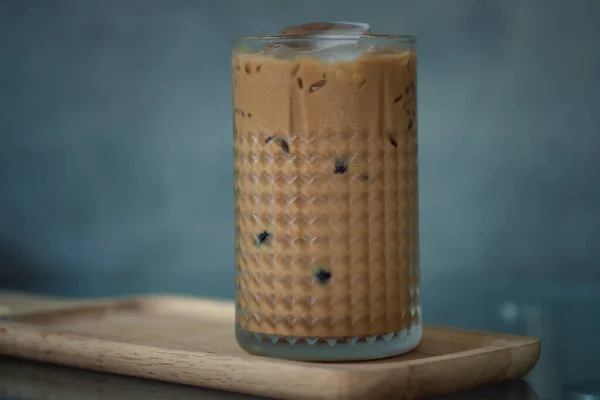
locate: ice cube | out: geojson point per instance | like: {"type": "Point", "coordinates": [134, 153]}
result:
{"type": "Point", "coordinates": [280, 51]}
{"type": "Point", "coordinates": [341, 48]}
{"type": "Point", "coordinates": [369, 45]}
{"type": "Point", "coordinates": [328, 28]}
{"type": "Point", "coordinates": [349, 32]}
{"type": "Point", "coordinates": [347, 51]}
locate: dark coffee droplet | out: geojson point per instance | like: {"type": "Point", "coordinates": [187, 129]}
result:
{"type": "Point", "coordinates": [397, 99]}
{"type": "Point", "coordinates": [295, 70]}
{"type": "Point", "coordinates": [317, 85]}
{"type": "Point", "coordinates": [249, 115]}
{"type": "Point", "coordinates": [362, 83]}
{"type": "Point", "coordinates": [285, 147]}
{"type": "Point", "coordinates": [340, 166]}
{"type": "Point", "coordinates": [410, 124]}
{"type": "Point", "coordinates": [394, 143]}
{"type": "Point", "coordinates": [300, 84]}
{"type": "Point", "coordinates": [263, 238]}
{"type": "Point", "coordinates": [269, 138]}
{"type": "Point", "coordinates": [323, 276]}
{"type": "Point", "coordinates": [365, 178]}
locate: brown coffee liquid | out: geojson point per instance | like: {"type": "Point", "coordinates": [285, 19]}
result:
{"type": "Point", "coordinates": [326, 195]}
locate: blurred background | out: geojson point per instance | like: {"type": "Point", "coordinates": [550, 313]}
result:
{"type": "Point", "coordinates": [116, 153]}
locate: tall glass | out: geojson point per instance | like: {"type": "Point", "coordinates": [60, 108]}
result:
{"type": "Point", "coordinates": [326, 196]}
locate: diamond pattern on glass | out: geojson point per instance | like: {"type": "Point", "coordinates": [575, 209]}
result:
{"type": "Point", "coordinates": [331, 341]}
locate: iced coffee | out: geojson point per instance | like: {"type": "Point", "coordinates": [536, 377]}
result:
{"type": "Point", "coordinates": [325, 142]}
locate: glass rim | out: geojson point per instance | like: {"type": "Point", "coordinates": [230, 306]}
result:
{"type": "Point", "coordinates": [321, 37]}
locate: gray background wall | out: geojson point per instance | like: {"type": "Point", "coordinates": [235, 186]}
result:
{"type": "Point", "coordinates": [116, 145]}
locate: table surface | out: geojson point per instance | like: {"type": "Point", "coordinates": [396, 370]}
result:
{"type": "Point", "coordinates": [566, 319]}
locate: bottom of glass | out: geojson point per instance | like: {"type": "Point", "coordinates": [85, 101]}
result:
{"type": "Point", "coordinates": [331, 348]}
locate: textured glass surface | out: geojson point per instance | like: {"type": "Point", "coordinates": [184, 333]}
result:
{"type": "Point", "coordinates": [326, 204]}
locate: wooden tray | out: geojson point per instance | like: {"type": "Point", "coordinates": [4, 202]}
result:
{"type": "Point", "coordinates": [191, 341]}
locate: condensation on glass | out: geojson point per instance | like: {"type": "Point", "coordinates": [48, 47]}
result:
{"type": "Point", "coordinates": [325, 139]}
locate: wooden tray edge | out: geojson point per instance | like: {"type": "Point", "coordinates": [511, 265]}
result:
{"type": "Point", "coordinates": [197, 368]}
{"type": "Point", "coordinates": [386, 384]}
{"type": "Point", "coordinates": [18, 339]}
{"type": "Point", "coordinates": [36, 343]}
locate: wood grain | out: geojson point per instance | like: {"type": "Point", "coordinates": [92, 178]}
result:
{"type": "Point", "coordinates": [191, 341]}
